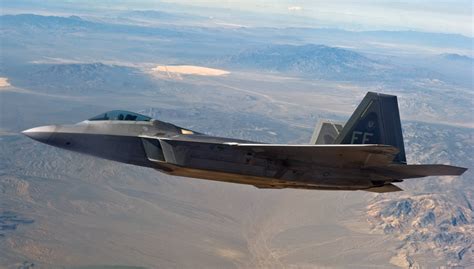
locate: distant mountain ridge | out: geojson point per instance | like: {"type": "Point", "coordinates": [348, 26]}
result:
{"type": "Point", "coordinates": [159, 15]}
{"type": "Point", "coordinates": [319, 61]}
{"type": "Point", "coordinates": [79, 78]}
{"type": "Point", "coordinates": [397, 37]}
{"type": "Point", "coordinates": [57, 24]}
{"type": "Point", "coordinates": [340, 64]}
{"type": "Point", "coordinates": [40, 21]}
{"type": "Point", "coordinates": [457, 57]}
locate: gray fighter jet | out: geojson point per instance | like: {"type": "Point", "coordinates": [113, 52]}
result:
{"type": "Point", "coordinates": [366, 153]}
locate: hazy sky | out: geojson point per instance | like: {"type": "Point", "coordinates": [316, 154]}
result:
{"type": "Point", "coordinates": [455, 16]}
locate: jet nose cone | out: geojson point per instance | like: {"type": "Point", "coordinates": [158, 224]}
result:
{"type": "Point", "coordinates": [41, 134]}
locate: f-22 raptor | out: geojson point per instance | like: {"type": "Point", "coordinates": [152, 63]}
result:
{"type": "Point", "coordinates": [367, 153]}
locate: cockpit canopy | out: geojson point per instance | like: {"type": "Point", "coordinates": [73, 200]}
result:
{"type": "Point", "coordinates": [121, 115]}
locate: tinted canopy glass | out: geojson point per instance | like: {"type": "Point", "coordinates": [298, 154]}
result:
{"type": "Point", "coordinates": [120, 115]}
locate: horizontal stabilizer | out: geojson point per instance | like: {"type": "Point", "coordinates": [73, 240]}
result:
{"type": "Point", "coordinates": [384, 188]}
{"type": "Point", "coordinates": [422, 170]}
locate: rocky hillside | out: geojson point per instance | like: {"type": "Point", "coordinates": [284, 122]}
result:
{"type": "Point", "coordinates": [432, 224]}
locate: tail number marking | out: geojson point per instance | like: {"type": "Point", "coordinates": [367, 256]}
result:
{"type": "Point", "coordinates": [356, 136]}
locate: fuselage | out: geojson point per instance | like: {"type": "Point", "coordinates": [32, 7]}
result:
{"type": "Point", "coordinates": [150, 143]}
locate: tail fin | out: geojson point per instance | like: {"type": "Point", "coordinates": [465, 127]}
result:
{"type": "Point", "coordinates": [325, 133]}
{"type": "Point", "coordinates": [375, 121]}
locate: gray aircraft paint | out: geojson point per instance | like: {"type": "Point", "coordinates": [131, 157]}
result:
{"type": "Point", "coordinates": [368, 153]}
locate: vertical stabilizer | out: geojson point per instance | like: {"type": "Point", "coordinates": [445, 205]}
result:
{"type": "Point", "coordinates": [375, 121]}
{"type": "Point", "coordinates": [325, 132]}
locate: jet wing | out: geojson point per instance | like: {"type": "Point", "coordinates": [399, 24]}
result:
{"type": "Point", "coordinates": [331, 155]}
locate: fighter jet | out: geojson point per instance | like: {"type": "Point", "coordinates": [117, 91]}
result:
{"type": "Point", "coordinates": [367, 153]}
